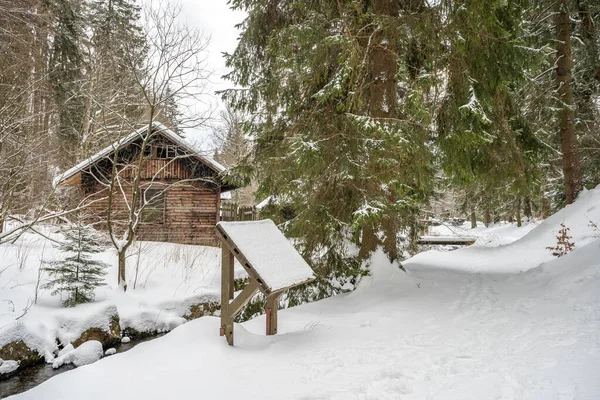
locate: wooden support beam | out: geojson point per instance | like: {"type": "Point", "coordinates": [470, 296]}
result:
{"type": "Point", "coordinates": [230, 310]}
{"type": "Point", "coordinates": [240, 301]}
{"type": "Point", "coordinates": [271, 312]}
{"type": "Point", "coordinates": [226, 294]}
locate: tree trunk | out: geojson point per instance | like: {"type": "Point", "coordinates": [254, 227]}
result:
{"type": "Point", "coordinates": [122, 281]}
{"type": "Point", "coordinates": [545, 208]}
{"type": "Point", "coordinates": [368, 242]}
{"type": "Point", "coordinates": [413, 240]}
{"type": "Point", "coordinates": [527, 208]}
{"type": "Point", "coordinates": [519, 223]}
{"type": "Point", "coordinates": [486, 217]}
{"type": "Point", "coordinates": [383, 100]}
{"type": "Point", "coordinates": [473, 219]}
{"type": "Point", "coordinates": [390, 241]}
{"type": "Point", "coordinates": [566, 114]}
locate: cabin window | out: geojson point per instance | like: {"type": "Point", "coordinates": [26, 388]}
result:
{"type": "Point", "coordinates": [172, 151]}
{"type": "Point", "coordinates": [148, 151]}
{"type": "Point", "coordinates": [167, 151]}
{"type": "Point", "coordinates": [154, 209]}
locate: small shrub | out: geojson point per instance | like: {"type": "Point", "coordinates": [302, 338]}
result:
{"type": "Point", "coordinates": [595, 228]}
{"type": "Point", "coordinates": [563, 242]}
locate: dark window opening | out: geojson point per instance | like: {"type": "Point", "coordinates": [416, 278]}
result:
{"type": "Point", "coordinates": [172, 151]}
{"type": "Point", "coordinates": [148, 151]}
{"type": "Point", "coordinates": [153, 203]}
{"type": "Point", "coordinates": [168, 151]}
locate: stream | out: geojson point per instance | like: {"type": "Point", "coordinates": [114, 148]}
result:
{"type": "Point", "coordinates": [31, 377]}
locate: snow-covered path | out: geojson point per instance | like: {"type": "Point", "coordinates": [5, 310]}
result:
{"type": "Point", "coordinates": [453, 335]}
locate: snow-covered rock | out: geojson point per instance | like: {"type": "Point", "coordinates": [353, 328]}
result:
{"type": "Point", "coordinates": [205, 301]}
{"type": "Point", "coordinates": [110, 351]}
{"type": "Point", "coordinates": [68, 348]}
{"type": "Point", "coordinates": [89, 352]}
{"type": "Point", "coordinates": [143, 322]}
{"type": "Point", "coordinates": [94, 321]}
{"type": "Point", "coordinates": [8, 366]}
{"type": "Point", "coordinates": [27, 343]}
{"type": "Point", "coordinates": [125, 339]}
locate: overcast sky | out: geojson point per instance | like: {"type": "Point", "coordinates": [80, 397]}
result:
{"type": "Point", "coordinates": [217, 20]}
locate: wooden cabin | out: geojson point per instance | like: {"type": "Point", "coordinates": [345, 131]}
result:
{"type": "Point", "coordinates": [180, 189]}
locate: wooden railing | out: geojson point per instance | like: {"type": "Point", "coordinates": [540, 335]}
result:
{"type": "Point", "coordinates": [159, 169]}
{"type": "Point", "coordinates": [232, 212]}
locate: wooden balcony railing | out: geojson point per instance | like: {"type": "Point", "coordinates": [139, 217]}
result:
{"type": "Point", "coordinates": [157, 168]}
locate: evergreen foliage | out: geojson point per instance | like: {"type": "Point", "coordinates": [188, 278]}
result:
{"type": "Point", "coordinates": [98, 48]}
{"type": "Point", "coordinates": [77, 275]}
{"type": "Point", "coordinates": [354, 158]}
{"type": "Point", "coordinates": [543, 101]}
{"type": "Point", "coordinates": [359, 112]}
{"type": "Point", "coordinates": [308, 69]}
{"type": "Point", "coordinates": [66, 66]}
{"type": "Point", "coordinates": [586, 87]}
{"type": "Point", "coordinates": [116, 52]}
{"type": "Point", "coordinates": [487, 145]}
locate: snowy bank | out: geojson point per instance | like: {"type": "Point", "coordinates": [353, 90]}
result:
{"type": "Point", "coordinates": [168, 285]}
{"type": "Point", "coordinates": [522, 254]}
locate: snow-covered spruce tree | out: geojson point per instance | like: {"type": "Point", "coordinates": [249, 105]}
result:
{"type": "Point", "coordinates": [77, 274]}
{"type": "Point", "coordinates": [488, 146]}
{"type": "Point", "coordinates": [338, 100]}
{"type": "Point", "coordinates": [561, 95]}
{"type": "Point", "coordinates": [116, 50]}
{"type": "Point", "coordinates": [66, 66]}
{"type": "Point", "coordinates": [354, 105]}
{"type": "Point", "coordinates": [586, 86]}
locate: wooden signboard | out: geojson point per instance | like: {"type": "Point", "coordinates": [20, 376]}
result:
{"type": "Point", "coordinates": [272, 263]}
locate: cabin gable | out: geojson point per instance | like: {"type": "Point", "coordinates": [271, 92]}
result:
{"type": "Point", "coordinates": [184, 188]}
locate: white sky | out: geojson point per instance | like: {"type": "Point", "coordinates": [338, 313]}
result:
{"type": "Point", "coordinates": [217, 20]}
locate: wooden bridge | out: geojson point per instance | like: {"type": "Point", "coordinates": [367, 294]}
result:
{"type": "Point", "coordinates": [446, 240]}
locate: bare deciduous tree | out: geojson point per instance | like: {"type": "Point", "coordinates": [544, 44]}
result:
{"type": "Point", "coordinates": [174, 72]}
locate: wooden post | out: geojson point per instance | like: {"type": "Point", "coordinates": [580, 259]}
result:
{"type": "Point", "coordinates": [218, 203]}
{"type": "Point", "coordinates": [230, 309]}
{"type": "Point", "coordinates": [226, 293]}
{"type": "Point", "coordinates": [271, 312]}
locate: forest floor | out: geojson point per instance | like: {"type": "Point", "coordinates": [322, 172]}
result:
{"type": "Point", "coordinates": [508, 321]}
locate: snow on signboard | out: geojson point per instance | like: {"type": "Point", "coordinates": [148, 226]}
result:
{"type": "Point", "coordinates": [269, 252]}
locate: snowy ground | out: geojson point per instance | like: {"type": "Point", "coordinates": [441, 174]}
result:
{"type": "Point", "coordinates": [164, 280]}
{"type": "Point", "coordinates": [485, 322]}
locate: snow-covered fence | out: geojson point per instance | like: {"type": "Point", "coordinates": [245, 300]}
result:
{"type": "Point", "coordinates": [233, 212]}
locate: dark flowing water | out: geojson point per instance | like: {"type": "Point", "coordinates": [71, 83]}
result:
{"type": "Point", "coordinates": [33, 376]}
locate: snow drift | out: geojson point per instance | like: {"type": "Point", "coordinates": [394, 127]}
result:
{"type": "Point", "coordinates": [525, 253]}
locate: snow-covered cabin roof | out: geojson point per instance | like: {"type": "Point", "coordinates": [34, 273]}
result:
{"type": "Point", "coordinates": [266, 202]}
{"type": "Point", "coordinates": [226, 196]}
{"type": "Point", "coordinates": [139, 134]}
{"type": "Point", "coordinates": [268, 251]}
